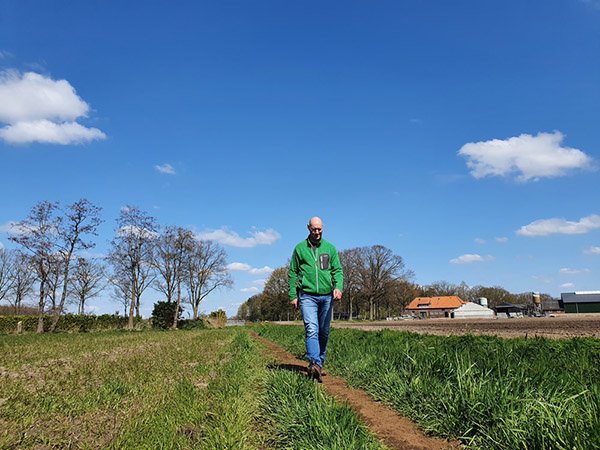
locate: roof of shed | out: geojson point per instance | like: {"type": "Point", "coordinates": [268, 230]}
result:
{"type": "Point", "coordinates": [445, 302]}
{"type": "Point", "coordinates": [581, 297]}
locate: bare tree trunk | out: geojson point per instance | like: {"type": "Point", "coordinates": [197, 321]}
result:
{"type": "Point", "coordinates": [133, 304]}
{"type": "Point", "coordinates": [40, 325]}
{"type": "Point", "coordinates": [350, 308]}
{"type": "Point", "coordinates": [177, 305]}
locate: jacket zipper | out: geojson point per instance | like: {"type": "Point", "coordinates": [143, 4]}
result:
{"type": "Point", "coordinates": [316, 258]}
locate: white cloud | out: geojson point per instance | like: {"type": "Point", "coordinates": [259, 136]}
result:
{"type": "Point", "coordinates": [528, 157]}
{"type": "Point", "coordinates": [36, 108]}
{"type": "Point", "coordinates": [8, 226]}
{"type": "Point", "coordinates": [165, 168]}
{"type": "Point", "coordinates": [250, 289]}
{"type": "Point", "coordinates": [501, 240]}
{"type": "Point", "coordinates": [569, 271]}
{"type": "Point", "coordinates": [544, 227]}
{"type": "Point", "coordinates": [5, 55]}
{"type": "Point", "coordinates": [233, 239]}
{"type": "Point", "coordinates": [15, 229]}
{"type": "Point", "coordinates": [479, 241]}
{"type": "Point", "coordinates": [1, 245]}
{"type": "Point", "coordinates": [471, 258]}
{"type": "Point", "coordinates": [592, 251]}
{"type": "Point", "coordinates": [131, 230]}
{"type": "Point", "coordinates": [567, 285]}
{"type": "Point", "coordinates": [591, 3]}
{"type": "Point", "coordinates": [243, 267]}
{"type": "Point", "coordinates": [259, 282]}
{"type": "Point", "coordinates": [47, 132]}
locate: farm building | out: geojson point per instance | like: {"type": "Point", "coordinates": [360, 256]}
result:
{"type": "Point", "coordinates": [510, 310]}
{"type": "Point", "coordinates": [424, 307]}
{"type": "Point", "coordinates": [581, 302]}
{"type": "Point", "coordinates": [472, 310]}
{"type": "Point", "coordinates": [552, 305]}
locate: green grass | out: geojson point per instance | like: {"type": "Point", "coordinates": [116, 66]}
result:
{"type": "Point", "coordinates": [302, 417]}
{"type": "Point", "coordinates": [130, 390]}
{"type": "Point", "coordinates": [490, 393]}
{"type": "Point", "coordinates": [207, 389]}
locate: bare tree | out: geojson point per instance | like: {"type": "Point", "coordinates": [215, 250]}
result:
{"type": "Point", "coordinates": [37, 235]}
{"type": "Point", "coordinates": [121, 292]}
{"type": "Point", "coordinates": [174, 247]}
{"type": "Point", "coordinates": [350, 260]}
{"type": "Point", "coordinates": [206, 271]}
{"type": "Point", "coordinates": [132, 253]}
{"type": "Point", "coordinates": [399, 293]}
{"type": "Point", "coordinates": [7, 271]}
{"type": "Point", "coordinates": [275, 296]}
{"type": "Point", "coordinates": [378, 266]}
{"type": "Point", "coordinates": [55, 274]}
{"type": "Point", "coordinates": [24, 278]}
{"type": "Point", "coordinates": [81, 218]}
{"type": "Point", "coordinates": [441, 289]}
{"type": "Point", "coordinates": [87, 281]}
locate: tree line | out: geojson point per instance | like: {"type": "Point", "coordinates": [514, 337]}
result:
{"type": "Point", "coordinates": [377, 285]}
{"type": "Point", "coordinates": [52, 262]}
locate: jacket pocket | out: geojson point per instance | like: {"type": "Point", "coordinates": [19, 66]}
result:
{"type": "Point", "coordinates": [324, 261]}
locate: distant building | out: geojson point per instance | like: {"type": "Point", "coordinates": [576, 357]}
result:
{"type": "Point", "coordinates": [581, 302]}
{"type": "Point", "coordinates": [472, 310]}
{"type": "Point", "coordinates": [552, 305]}
{"type": "Point", "coordinates": [510, 310]}
{"type": "Point", "coordinates": [424, 307]}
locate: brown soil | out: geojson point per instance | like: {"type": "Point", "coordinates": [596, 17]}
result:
{"type": "Point", "coordinates": [560, 326]}
{"type": "Point", "coordinates": [395, 431]}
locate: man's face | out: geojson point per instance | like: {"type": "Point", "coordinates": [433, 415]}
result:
{"type": "Point", "coordinates": [316, 231]}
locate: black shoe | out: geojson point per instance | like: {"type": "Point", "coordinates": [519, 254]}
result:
{"type": "Point", "coordinates": [314, 372]}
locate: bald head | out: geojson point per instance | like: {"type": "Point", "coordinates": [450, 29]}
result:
{"type": "Point", "coordinates": [315, 228]}
{"type": "Point", "coordinates": [315, 222]}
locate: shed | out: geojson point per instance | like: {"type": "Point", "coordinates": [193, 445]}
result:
{"type": "Point", "coordinates": [581, 302]}
{"type": "Point", "coordinates": [472, 310]}
{"type": "Point", "coordinates": [443, 306]}
{"type": "Point", "coordinates": [510, 310]}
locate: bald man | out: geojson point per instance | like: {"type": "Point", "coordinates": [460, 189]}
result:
{"type": "Point", "coordinates": [316, 280]}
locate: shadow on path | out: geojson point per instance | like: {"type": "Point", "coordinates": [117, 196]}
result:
{"type": "Point", "coordinates": [289, 367]}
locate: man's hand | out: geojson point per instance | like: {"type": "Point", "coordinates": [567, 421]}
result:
{"type": "Point", "coordinates": [294, 304]}
{"type": "Point", "coordinates": [337, 294]}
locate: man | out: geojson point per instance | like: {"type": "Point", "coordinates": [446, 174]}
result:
{"type": "Point", "coordinates": [316, 280]}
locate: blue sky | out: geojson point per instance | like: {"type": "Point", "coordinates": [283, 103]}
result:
{"type": "Point", "coordinates": [462, 135]}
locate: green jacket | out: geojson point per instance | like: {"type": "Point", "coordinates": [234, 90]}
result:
{"type": "Point", "coordinates": [315, 269]}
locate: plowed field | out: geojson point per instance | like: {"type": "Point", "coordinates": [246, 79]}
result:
{"type": "Point", "coordinates": [560, 326]}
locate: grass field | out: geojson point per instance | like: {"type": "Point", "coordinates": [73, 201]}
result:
{"type": "Point", "coordinates": [208, 389]}
{"type": "Point", "coordinates": [489, 393]}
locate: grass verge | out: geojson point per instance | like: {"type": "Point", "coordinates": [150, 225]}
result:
{"type": "Point", "coordinates": [191, 389]}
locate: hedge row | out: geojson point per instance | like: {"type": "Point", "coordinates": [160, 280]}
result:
{"type": "Point", "coordinates": [69, 323]}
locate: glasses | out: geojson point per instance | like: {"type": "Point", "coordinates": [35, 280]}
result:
{"type": "Point", "coordinates": [316, 230]}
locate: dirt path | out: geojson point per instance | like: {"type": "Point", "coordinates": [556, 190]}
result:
{"type": "Point", "coordinates": [395, 431]}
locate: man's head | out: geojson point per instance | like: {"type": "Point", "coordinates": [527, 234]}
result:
{"type": "Point", "coordinates": [315, 228]}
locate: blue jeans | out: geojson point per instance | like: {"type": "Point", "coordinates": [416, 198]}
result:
{"type": "Point", "coordinates": [316, 313]}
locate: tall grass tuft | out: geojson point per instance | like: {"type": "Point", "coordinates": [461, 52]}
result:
{"type": "Point", "coordinates": [301, 416]}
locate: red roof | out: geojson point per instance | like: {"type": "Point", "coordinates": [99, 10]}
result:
{"type": "Point", "coordinates": [447, 302]}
